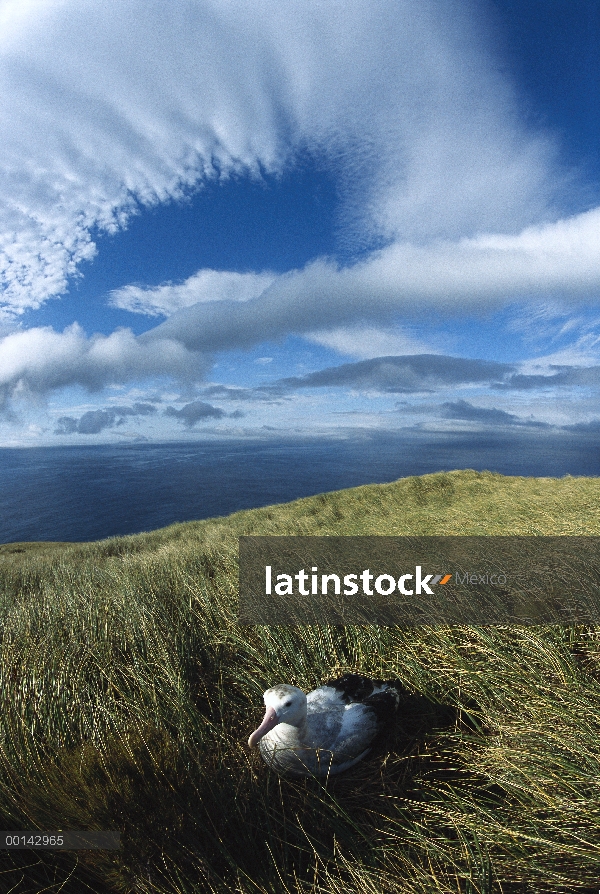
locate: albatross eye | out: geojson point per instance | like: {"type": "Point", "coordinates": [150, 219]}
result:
{"type": "Point", "coordinates": [287, 704]}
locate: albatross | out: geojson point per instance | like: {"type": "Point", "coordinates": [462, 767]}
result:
{"type": "Point", "coordinates": [327, 731]}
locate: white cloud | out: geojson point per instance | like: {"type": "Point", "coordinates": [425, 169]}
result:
{"type": "Point", "coordinates": [205, 285]}
{"type": "Point", "coordinates": [366, 342]}
{"type": "Point", "coordinates": [108, 106]}
{"type": "Point", "coordinates": [584, 352]}
{"type": "Point", "coordinates": [38, 361]}
{"type": "Point", "coordinates": [547, 324]}
{"type": "Point", "coordinates": [344, 307]}
{"type": "Point", "coordinates": [441, 279]}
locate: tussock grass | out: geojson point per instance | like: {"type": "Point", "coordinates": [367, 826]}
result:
{"type": "Point", "coordinates": [128, 691]}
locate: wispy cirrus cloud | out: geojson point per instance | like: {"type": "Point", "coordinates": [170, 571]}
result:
{"type": "Point", "coordinates": [112, 107]}
{"type": "Point", "coordinates": [450, 205]}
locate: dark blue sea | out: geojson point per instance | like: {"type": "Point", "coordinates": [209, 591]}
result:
{"type": "Point", "coordinates": [93, 492]}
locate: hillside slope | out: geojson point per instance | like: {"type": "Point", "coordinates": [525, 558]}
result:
{"type": "Point", "coordinates": [128, 690]}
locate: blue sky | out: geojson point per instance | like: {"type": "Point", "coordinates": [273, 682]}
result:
{"type": "Point", "coordinates": [226, 218]}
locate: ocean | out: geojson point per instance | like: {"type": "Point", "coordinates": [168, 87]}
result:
{"type": "Point", "coordinates": [92, 492]}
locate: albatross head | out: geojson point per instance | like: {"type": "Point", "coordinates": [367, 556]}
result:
{"type": "Point", "coordinates": [283, 704]}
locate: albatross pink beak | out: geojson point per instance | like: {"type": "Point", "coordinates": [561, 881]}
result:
{"type": "Point", "coordinates": [270, 720]}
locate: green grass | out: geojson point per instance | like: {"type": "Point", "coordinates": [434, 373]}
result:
{"type": "Point", "coordinates": [128, 691]}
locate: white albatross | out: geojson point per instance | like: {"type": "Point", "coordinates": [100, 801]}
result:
{"type": "Point", "coordinates": [327, 731]}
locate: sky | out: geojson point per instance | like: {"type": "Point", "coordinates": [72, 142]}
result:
{"type": "Point", "coordinates": [232, 218]}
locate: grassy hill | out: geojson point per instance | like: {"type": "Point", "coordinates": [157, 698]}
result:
{"type": "Point", "coordinates": [128, 691]}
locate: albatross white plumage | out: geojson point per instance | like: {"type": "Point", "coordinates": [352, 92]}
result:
{"type": "Point", "coordinates": [327, 731]}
